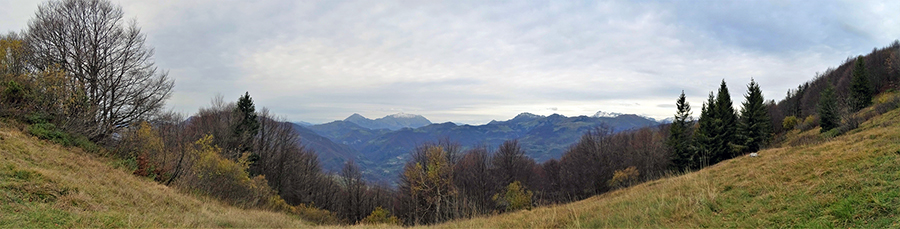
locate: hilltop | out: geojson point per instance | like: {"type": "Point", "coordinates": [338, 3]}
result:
{"type": "Point", "coordinates": [47, 185]}
{"type": "Point", "coordinates": [810, 181]}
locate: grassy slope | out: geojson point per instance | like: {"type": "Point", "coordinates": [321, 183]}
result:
{"type": "Point", "coordinates": [852, 180]}
{"type": "Point", "coordinates": [45, 185]}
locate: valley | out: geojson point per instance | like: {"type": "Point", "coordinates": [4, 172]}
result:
{"type": "Point", "coordinates": [382, 152]}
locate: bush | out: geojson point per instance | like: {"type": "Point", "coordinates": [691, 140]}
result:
{"type": "Point", "coordinates": [49, 131]}
{"type": "Point", "coordinates": [381, 216]}
{"type": "Point", "coordinates": [887, 102]}
{"type": "Point", "coordinates": [514, 197]}
{"type": "Point", "coordinates": [790, 122]}
{"type": "Point", "coordinates": [809, 123]}
{"type": "Point", "coordinates": [227, 180]}
{"type": "Point", "coordinates": [831, 133]}
{"type": "Point", "coordinates": [624, 178]}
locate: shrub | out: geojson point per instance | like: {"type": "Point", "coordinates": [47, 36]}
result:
{"type": "Point", "coordinates": [381, 216]}
{"type": "Point", "coordinates": [48, 131]}
{"type": "Point", "coordinates": [831, 133]}
{"type": "Point", "coordinates": [227, 180]}
{"type": "Point", "coordinates": [887, 102]}
{"type": "Point", "coordinates": [790, 122]}
{"type": "Point", "coordinates": [514, 197]}
{"type": "Point", "coordinates": [624, 178]}
{"type": "Point", "coordinates": [809, 123]}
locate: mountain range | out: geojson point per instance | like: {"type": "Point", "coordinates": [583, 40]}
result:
{"type": "Point", "coordinates": [382, 146]}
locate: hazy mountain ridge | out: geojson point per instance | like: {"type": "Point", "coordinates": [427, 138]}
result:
{"type": "Point", "coordinates": [390, 122]}
{"type": "Point", "coordinates": [382, 152]}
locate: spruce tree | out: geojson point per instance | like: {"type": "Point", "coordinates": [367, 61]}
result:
{"type": "Point", "coordinates": [828, 110]}
{"type": "Point", "coordinates": [683, 156]}
{"type": "Point", "coordinates": [860, 93]}
{"type": "Point", "coordinates": [705, 133]}
{"type": "Point", "coordinates": [247, 125]}
{"type": "Point", "coordinates": [755, 121]}
{"type": "Point", "coordinates": [726, 139]}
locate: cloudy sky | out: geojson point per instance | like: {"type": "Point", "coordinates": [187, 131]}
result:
{"type": "Point", "coordinates": [476, 61]}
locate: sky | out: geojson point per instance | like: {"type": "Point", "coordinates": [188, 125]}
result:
{"type": "Point", "coordinates": [477, 61]}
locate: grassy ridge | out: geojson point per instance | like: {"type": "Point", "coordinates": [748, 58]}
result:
{"type": "Point", "coordinates": [45, 185]}
{"type": "Point", "coordinates": [850, 181]}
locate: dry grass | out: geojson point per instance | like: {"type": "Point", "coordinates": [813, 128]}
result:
{"type": "Point", "coordinates": [849, 181]}
{"type": "Point", "coordinates": [45, 185]}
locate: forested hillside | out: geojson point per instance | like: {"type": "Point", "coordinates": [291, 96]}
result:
{"type": "Point", "coordinates": [381, 153]}
{"type": "Point", "coordinates": [812, 181]}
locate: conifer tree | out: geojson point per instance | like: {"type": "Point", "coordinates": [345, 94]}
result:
{"type": "Point", "coordinates": [683, 156]}
{"type": "Point", "coordinates": [828, 108]}
{"type": "Point", "coordinates": [246, 127]}
{"type": "Point", "coordinates": [703, 139]}
{"type": "Point", "coordinates": [860, 93]}
{"type": "Point", "coordinates": [754, 125]}
{"type": "Point", "coordinates": [725, 121]}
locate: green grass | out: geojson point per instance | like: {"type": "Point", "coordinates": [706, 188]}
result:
{"type": "Point", "coordinates": [46, 185]}
{"type": "Point", "coordinates": [813, 181]}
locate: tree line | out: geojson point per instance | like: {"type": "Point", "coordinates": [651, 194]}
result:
{"type": "Point", "coordinates": [832, 98]}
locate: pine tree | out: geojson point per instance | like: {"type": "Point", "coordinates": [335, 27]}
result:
{"type": "Point", "coordinates": [726, 140]}
{"type": "Point", "coordinates": [754, 125]}
{"type": "Point", "coordinates": [246, 127]}
{"type": "Point", "coordinates": [705, 133]}
{"type": "Point", "coordinates": [828, 116]}
{"type": "Point", "coordinates": [860, 93]}
{"type": "Point", "coordinates": [683, 156]}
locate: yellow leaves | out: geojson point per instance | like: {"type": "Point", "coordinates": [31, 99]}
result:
{"type": "Point", "coordinates": [624, 177]}
{"type": "Point", "coordinates": [381, 216]}
{"type": "Point", "coordinates": [514, 197]}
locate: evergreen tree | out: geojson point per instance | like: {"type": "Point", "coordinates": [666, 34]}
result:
{"type": "Point", "coordinates": [683, 156]}
{"type": "Point", "coordinates": [860, 93]}
{"type": "Point", "coordinates": [725, 122]}
{"type": "Point", "coordinates": [705, 133]}
{"type": "Point", "coordinates": [754, 125]}
{"type": "Point", "coordinates": [246, 126]}
{"type": "Point", "coordinates": [828, 108]}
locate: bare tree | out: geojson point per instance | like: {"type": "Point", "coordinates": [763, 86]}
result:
{"type": "Point", "coordinates": [105, 57]}
{"type": "Point", "coordinates": [473, 178]}
{"type": "Point", "coordinates": [354, 192]}
{"type": "Point", "coordinates": [510, 164]}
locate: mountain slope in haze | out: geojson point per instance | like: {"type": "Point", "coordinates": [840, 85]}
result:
{"type": "Point", "coordinates": [542, 137]}
{"type": "Point", "coordinates": [45, 185]}
{"type": "Point", "coordinates": [348, 133]}
{"type": "Point", "coordinates": [390, 122]}
{"type": "Point", "coordinates": [332, 156]}
{"type": "Point", "coordinates": [812, 182]}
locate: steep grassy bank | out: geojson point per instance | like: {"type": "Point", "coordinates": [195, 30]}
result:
{"type": "Point", "coordinates": [45, 185]}
{"type": "Point", "coordinates": [849, 181]}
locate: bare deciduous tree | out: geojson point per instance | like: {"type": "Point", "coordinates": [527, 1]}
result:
{"type": "Point", "coordinates": [105, 57]}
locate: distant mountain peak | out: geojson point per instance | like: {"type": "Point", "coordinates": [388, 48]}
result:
{"type": "Point", "coordinates": [391, 122]}
{"type": "Point", "coordinates": [404, 115]}
{"type": "Point", "coordinates": [355, 116]}
{"type": "Point", "coordinates": [604, 114]}
{"type": "Point", "coordinates": [528, 115]}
